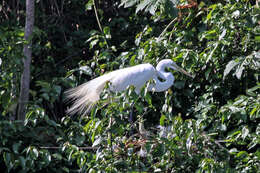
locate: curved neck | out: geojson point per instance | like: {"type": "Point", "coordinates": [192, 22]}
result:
{"type": "Point", "coordinates": [161, 85]}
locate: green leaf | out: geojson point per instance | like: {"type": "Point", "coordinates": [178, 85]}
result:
{"type": "Point", "coordinates": [8, 161]}
{"type": "Point", "coordinates": [51, 123]}
{"type": "Point", "coordinates": [245, 132]}
{"type": "Point", "coordinates": [207, 73]}
{"type": "Point", "coordinates": [242, 154]}
{"type": "Point", "coordinates": [89, 5]}
{"type": "Point", "coordinates": [188, 92]}
{"type": "Point", "coordinates": [86, 70]}
{"type": "Point", "coordinates": [239, 71]}
{"type": "Point", "coordinates": [106, 31]}
{"type": "Point", "coordinates": [132, 60]}
{"type": "Point", "coordinates": [253, 111]}
{"type": "Point", "coordinates": [65, 169]}
{"type": "Point", "coordinates": [233, 151]}
{"type": "Point", "coordinates": [4, 149]}
{"type": "Point", "coordinates": [163, 117]}
{"type": "Point", "coordinates": [7, 158]}
{"type": "Point", "coordinates": [57, 156]}
{"type": "Point", "coordinates": [93, 43]}
{"type": "Point", "coordinates": [142, 5]}
{"type": "Point", "coordinates": [35, 152]}
{"type": "Point", "coordinates": [236, 14]}
{"type": "Point", "coordinates": [20, 33]}
{"type": "Point", "coordinates": [212, 52]}
{"type": "Point", "coordinates": [16, 147]}
{"type": "Point", "coordinates": [170, 8]}
{"type": "Point", "coordinates": [45, 96]}
{"type": "Point", "coordinates": [148, 98]}
{"type": "Point", "coordinates": [179, 84]}
{"type": "Point", "coordinates": [80, 139]}
{"type": "Point", "coordinates": [97, 141]}
{"type": "Point", "coordinates": [149, 5]}
{"type": "Point", "coordinates": [128, 3]}
{"type": "Point", "coordinates": [252, 91]}
{"type": "Point", "coordinates": [257, 38]}
{"type": "Point", "coordinates": [212, 7]}
{"type": "Point", "coordinates": [22, 161]}
{"type": "Point", "coordinates": [231, 64]}
{"type": "Point", "coordinates": [103, 66]}
{"type": "Point", "coordinates": [57, 89]}
{"type": "Point", "coordinates": [222, 34]}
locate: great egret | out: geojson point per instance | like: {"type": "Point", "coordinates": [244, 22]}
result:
{"type": "Point", "coordinates": [85, 95]}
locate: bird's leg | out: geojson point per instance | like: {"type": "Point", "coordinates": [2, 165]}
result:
{"type": "Point", "coordinates": [131, 118]}
{"type": "Point", "coordinates": [131, 113]}
{"type": "Point", "coordinates": [109, 136]}
{"type": "Point", "coordinates": [142, 131]}
{"type": "Point", "coordinates": [109, 131]}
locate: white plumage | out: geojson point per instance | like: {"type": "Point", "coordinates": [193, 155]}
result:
{"type": "Point", "coordinates": [87, 94]}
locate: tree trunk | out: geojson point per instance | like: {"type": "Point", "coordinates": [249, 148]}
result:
{"type": "Point", "coordinates": [27, 50]}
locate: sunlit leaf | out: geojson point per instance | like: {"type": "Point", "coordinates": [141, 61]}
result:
{"type": "Point", "coordinates": [97, 141]}
{"type": "Point", "coordinates": [89, 5]}
{"type": "Point", "coordinates": [239, 71]}
{"type": "Point", "coordinates": [245, 132]}
{"type": "Point", "coordinates": [128, 3]}
{"type": "Point", "coordinates": [257, 38]}
{"type": "Point", "coordinates": [229, 67]}
{"type": "Point", "coordinates": [222, 34]}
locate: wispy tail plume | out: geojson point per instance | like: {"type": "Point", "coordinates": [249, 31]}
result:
{"type": "Point", "coordinates": [86, 95]}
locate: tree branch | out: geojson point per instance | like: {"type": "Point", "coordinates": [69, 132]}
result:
{"type": "Point", "coordinates": [25, 79]}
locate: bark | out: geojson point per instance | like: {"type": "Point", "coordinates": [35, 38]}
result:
{"type": "Point", "coordinates": [27, 50]}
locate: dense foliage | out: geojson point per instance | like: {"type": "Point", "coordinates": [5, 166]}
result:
{"type": "Point", "coordinates": [207, 124]}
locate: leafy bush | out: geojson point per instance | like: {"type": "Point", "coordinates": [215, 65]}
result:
{"type": "Point", "coordinates": [206, 124]}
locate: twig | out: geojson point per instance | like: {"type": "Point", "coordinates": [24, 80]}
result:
{"type": "Point", "coordinates": [58, 63]}
{"type": "Point", "coordinates": [171, 33]}
{"type": "Point", "coordinates": [99, 25]}
{"type": "Point", "coordinates": [82, 148]}
{"type": "Point", "coordinates": [62, 4]}
{"type": "Point", "coordinates": [221, 146]}
{"type": "Point", "coordinates": [57, 7]}
{"type": "Point", "coordinates": [95, 9]}
{"type": "Point", "coordinates": [3, 10]}
{"type": "Point", "coordinates": [167, 27]}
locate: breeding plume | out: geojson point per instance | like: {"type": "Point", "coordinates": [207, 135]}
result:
{"type": "Point", "coordinates": [87, 94]}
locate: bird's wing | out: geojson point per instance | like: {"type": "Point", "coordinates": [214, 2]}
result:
{"type": "Point", "coordinates": [135, 76]}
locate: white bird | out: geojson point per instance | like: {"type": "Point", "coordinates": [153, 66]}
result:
{"type": "Point", "coordinates": [87, 94]}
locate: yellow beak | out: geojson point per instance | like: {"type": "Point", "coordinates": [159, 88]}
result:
{"type": "Point", "coordinates": [177, 68]}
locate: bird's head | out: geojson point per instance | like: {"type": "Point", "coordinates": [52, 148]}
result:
{"type": "Point", "coordinates": [168, 63]}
